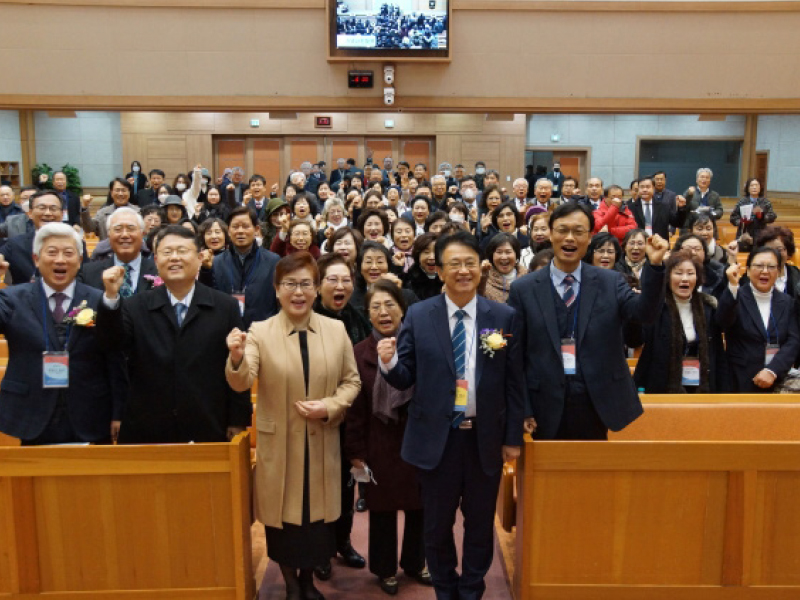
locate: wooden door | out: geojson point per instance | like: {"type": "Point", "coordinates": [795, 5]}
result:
{"type": "Point", "coordinates": [266, 160]}
{"type": "Point", "coordinates": [762, 167]}
{"type": "Point", "coordinates": [340, 148]}
{"type": "Point", "coordinates": [230, 153]}
{"type": "Point", "coordinates": [417, 151]}
{"type": "Point", "coordinates": [301, 151]}
{"type": "Point", "coordinates": [378, 150]}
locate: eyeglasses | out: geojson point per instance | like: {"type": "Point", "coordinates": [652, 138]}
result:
{"type": "Point", "coordinates": [339, 280]}
{"type": "Point", "coordinates": [575, 231]}
{"type": "Point", "coordinates": [385, 306]}
{"type": "Point", "coordinates": [456, 265]}
{"type": "Point", "coordinates": [43, 208]}
{"type": "Point", "coordinates": [291, 286]}
{"type": "Point", "coordinates": [762, 267]}
{"type": "Point", "coordinates": [636, 244]}
{"type": "Point", "coordinates": [181, 251]}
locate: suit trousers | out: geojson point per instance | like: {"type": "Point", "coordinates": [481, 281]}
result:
{"type": "Point", "coordinates": [383, 543]}
{"type": "Point", "coordinates": [580, 420]}
{"type": "Point", "coordinates": [344, 524]}
{"type": "Point", "coordinates": [459, 479]}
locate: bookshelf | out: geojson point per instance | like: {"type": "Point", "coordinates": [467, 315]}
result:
{"type": "Point", "coordinates": [9, 173]}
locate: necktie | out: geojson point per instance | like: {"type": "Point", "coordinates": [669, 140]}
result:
{"type": "Point", "coordinates": [460, 344]}
{"type": "Point", "coordinates": [569, 291]}
{"type": "Point", "coordinates": [180, 312]}
{"type": "Point", "coordinates": [58, 311]}
{"type": "Point", "coordinates": [126, 291]}
{"type": "Point", "coordinates": [648, 215]}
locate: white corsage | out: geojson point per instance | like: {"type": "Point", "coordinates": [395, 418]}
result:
{"type": "Point", "coordinates": [492, 340]}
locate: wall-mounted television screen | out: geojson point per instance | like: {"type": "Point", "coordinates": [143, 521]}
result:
{"type": "Point", "coordinates": [375, 29]}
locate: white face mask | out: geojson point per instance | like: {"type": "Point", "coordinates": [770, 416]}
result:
{"type": "Point", "coordinates": [136, 168]}
{"type": "Point", "coordinates": [480, 170]}
{"type": "Point", "coordinates": [180, 187]}
{"type": "Point", "coordinates": [162, 197]}
{"type": "Point", "coordinates": [447, 174]}
{"type": "Point", "coordinates": [457, 218]}
{"type": "Point", "coordinates": [468, 194]}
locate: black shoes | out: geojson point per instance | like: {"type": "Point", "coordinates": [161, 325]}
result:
{"type": "Point", "coordinates": [389, 585]}
{"type": "Point", "coordinates": [307, 589]}
{"type": "Point", "coordinates": [351, 558]}
{"type": "Point", "coordinates": [423, 577]}
{"type": "Point", "coordinates": [324, 573]}
{"type": "Point", "coordinates": [361, 505]}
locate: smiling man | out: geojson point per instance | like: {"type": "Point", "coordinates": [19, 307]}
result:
{"type": "Point", "coordinates": [579, 384]}
{"type": "Point", "coordinates": [175, 339]}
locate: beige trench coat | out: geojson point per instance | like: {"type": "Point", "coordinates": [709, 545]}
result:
{"type": "Point", "coordinates": [273, 355]}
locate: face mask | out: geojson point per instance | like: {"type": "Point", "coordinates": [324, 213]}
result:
{"type": "Point", "coordinates": [162, 197]}
{"type": "Point", "coordinates": [480, 170]}
{"type": "Point", "coordinates": [457, 218]}
{"type": "Point", "coordinates": [136, 168]}
{"type": "Point", "coordinates": [468, 194]}
{"type": "Point", "coordinates": [180, 187]}
{"type": "Point", "coordinates": [362, 475]}
{"type": "Point", "coordinates": [556, 169]}
{"type": "Point", "coordinates": [447, 174]}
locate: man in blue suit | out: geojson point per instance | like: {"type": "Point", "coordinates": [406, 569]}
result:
{"type": "Point", "coordinates": [40, 401]}
{"type": "Point", "coordinates": [578, 381]}
{"type": "Point", "coordinates": [466, 415]}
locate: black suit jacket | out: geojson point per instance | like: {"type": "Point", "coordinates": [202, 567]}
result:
{"type": "Point", "coordinates": [260, 213]}
{"type": "Point", "coordinates": [746, 338]}
{"type": "Point", "coordinates": [606, 303]}
{"type": "Point", "coordinates": [97, 379]}
{"type": "Point", "coordinates": [178, 389]}
{"type": "Point", "coordinates": [92, 273]}
{"type": "Point", "coordinates": [425, 354]}
{"type": "Point", "coordinates": [663, 216]}
{"type": "Point", "coordinates": [145, 197]}
{"type": "Point", "coordinates": [73, 206]}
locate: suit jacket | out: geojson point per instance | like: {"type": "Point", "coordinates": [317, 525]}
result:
{"type": "Point", "coordinates": [16, 225]}
{"type": "Point", "coordinates": [425, 354]}
{"type": "Point", "coordinates": [260, 213]}
{"type": "Point", "coordinates": [712, 200]}
{"type": "Point", "coordinates": [230, 195]}
{"type": "Point", "coordinates": [746, 338]}
{"type": "Point", "coordinates": [606, 303]}
{"type": "Point", "coordinates": [663, 216]}
{"type": "Point", "coordinates": [97, 379]}
{"type": "Point", "coordinates": [73, 206]}
{"type": "Point", "coordinates": [18, 251]}
{"type": "Point", "coordinates": [145, 197]}
{"type": "Point", "coordinates": [336, 178]}
{"type": "Point", "coordinates": [178, 390]}
{"type": "Point", "coordinates": [92, 273]}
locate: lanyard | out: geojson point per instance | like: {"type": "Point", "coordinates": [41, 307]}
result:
{"type": "Point", "coordinates": [775, 326]}
{"type": "Point", "coordinates": [44, 325]}
{"type": "Point", "coordinates": [575, 316]}
{"type": "Point", "coordinates": [249, 274]}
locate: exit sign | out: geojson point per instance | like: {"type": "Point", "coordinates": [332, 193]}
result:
{"type": "Point", "coordinates": [360, 79]}
{"type": "Point", "coordinates": [323, 122]}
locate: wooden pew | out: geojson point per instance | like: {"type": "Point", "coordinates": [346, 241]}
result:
{"type": "Point", "coordinates": [137, 522]}
{"type": "Point", "coordinates": [695, 500]}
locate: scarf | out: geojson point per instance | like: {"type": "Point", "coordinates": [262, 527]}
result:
{"type": "Point", "coordinates": [678, 343]}
{"type": "Point", "coordinates": [385, 398]}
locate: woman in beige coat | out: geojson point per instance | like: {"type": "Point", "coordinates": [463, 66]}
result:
{"type": "Point", "coordinates": [307, 378]}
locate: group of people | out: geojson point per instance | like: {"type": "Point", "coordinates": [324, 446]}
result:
{"type": "Point", "coordinates": [391, 28]}
{"type": "Point", "coordinates": [402, 335]}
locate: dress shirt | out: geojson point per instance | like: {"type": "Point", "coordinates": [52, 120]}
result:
{"type": "Point", "coordinates": [69, 292]}
{"type": "Point", "coordinates": [136, 267]}
{"type": "Point", "coordinates": [557, 277]}
{"type": "Point", "coordinates": [187, 301]}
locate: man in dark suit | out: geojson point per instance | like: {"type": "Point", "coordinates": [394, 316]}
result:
{"type": "Point", "coordinates": [662, 193]}
{"type": "Point", "coordinates": [556, 177]}
{"type": "Point", "coordinates": [579, 384]}
{"type": "Point", "coordinates": [125, 233]}
{"type": "Point", "coordinates": [258, 203]}
{"type": "Point", "coordinates": [246, 271]}
{"type": "Point", "coordinates": [656, 217]}
{"type": "Point", "coordinates": [46, 207]}
{"type": "Point", "coordinates": [338, 175]}
{"type": "Point", "coordinates": [149, 195]}
{"type": "Point", "coordinates": [41, 402]}
{"type": "Point", "coordinates": [175, 339]}
{"type": "Point", "coordinates": [70, 200]}
{"type": "Point", "coordinates": [467, 417]}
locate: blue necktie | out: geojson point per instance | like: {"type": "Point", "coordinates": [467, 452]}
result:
{"type": "Point", "coordinates": [569, 292]}
{"type": "Point", "coordinates": [180, 312]}
{"type": "Point", "coordinates": [460, 345]}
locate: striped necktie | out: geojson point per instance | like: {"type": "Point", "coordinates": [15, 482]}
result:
{"type": "Point", "coordinates": [460, 344]}
{"type": "Point", "coordinates": [569, 291]}
{"type": "Point", "coordinates": [180, 312]}
{"type": "Point", "coordinates": [126, 291]}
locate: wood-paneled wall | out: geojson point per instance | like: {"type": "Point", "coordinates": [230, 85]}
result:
{"type": "Point", "coordinates": [175, 142]}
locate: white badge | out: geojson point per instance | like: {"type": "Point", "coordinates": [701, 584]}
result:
{"type": "Point", "coordinates": [568, 356]}
{"type": "Point", "coordinates": [55, 370]}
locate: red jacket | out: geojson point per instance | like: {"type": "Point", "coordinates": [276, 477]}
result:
{"type": "Point", "coordinates": [619, 223]}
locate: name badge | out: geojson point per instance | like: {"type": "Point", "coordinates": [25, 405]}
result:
{"type": "Point", "coordinates": [691, 371]}
{"type": "Point", "coordinates": [55, 370]}
{"type": "Point", "coordinates": [462, 387]}
{"type": "Point", "coordinates": [771, 351]}
{"type": "Point", "coordinates": [568, 356]}
{"type": "Point", "coordinates": [240, 299]}
{"type": "Point", "coordinates": [555, 189]}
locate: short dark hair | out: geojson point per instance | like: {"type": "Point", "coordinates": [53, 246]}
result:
{"type": "Point", "coordinates": [372, 212]}
{"type": "Point", "coordinates": [28, 188]}
{"type": "Point", "coordinates": [152, 209]}
{"type": "Point", "coordinates": [344, 232]}
{"type": "Point", "coordinates": [572, 179]}
{"type": "Point", "coordinates": [257, 177]}
{"type": "Point", "coordinates": [243, 210]}
{"type": "Point", "coordinates": [771, 233]}
{"type": "Point", "coordinates": [541, 259]}
{"type": "Point", "coordinates": [366, 247]}
{"type": "Point", "coordinates": [485, 194]}
{"type": "Point", "coordinates": [460, 207]}
{"type": "Point", "coordinates": [680, 256]}
{"type": "Point", "coordinates": [388, 287]}
{"type": "Point", "coordinates": [462, 237]}
{"type": "Point", "coordinates": [657, 173]}
{"type": "Point", "coordinates": [156, 172]}
{"type": "Point", "coordinates": [745, 191]}
{"type": "Point", "coordinates": [507, 205]}
{"type": "Point", "coordinates": [466, 177]}
{"type": "Point", "coordinates": [123, 182]}
{"type": "Point", "coordinates": [564, 210]}
{"type": "Point", "coordinates": [178, 231]}
{"type": "Point", "coordinates": [600, 240]}
{"type": "Point", "coordinates": [294, 262]}
{"type": "Point", "coordinates": [42, 193]}
{"type": "Point", "coordinates": [647, 178]}
{"type": "Point", "coordinates": [631, 233]}
{"type": "Point", "coordinates": [420, 244]}
{"type": "Point", "coordinates": [208, 224]}
{"type": "Point", "coordinates": [312, 205]}
{"type": "Point", "coordinates": [437, 215]}
{"type": "Point", "coordinates": [692, 236]}
{"type": "Point", "coordinates": [404, 221]}
{"type": "Point", "coordinates": [418, 198]}
{"type": "Point", "coordinates": [497, 241]}
{"type": "Point", "coordinates": [764, 250]}
{"type": "Point", "coordinates": [326, 261]}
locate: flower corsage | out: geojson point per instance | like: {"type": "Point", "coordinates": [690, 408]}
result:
{"type": "Point", "coordinates": [155, 280]}
{"type": "Point", "coordinates": [493, 340]}
{"type": "Point", "coordinates": [81, 316]}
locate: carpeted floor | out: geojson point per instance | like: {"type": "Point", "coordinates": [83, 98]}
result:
{"type": "Point", "coordinates": [360, 583]}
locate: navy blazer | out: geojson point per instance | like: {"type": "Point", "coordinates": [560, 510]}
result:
{"type": "Point", "coordinates": [260, 302]}
{"type": "Point", "coordinates": [746, 338]}
{"type": "Point", "coordinates": [425, 358]}
{"type": "Point", "coordinates": [606, 303]}
{"type": "Point", "coordinates": [97, 379]}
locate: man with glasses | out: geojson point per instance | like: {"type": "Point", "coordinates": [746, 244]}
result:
{"type": "Point", "coordinates": [578, 381]}
{"type": "Point", "coordinates": [175, 339]}
{"type": "Point", "coordinates": [46, 207]}
{"type": "Point", "coordinates": [467, 418]}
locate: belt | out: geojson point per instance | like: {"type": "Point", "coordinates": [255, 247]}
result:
{"type": "Point", "coordinates": [467, 423]}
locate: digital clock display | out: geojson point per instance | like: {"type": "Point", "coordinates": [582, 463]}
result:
{"type": "Point", "coordinates": [361, 79]}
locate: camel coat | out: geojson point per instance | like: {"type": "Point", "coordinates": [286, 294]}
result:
{"type": "Point", "coordinates": [273, 356]}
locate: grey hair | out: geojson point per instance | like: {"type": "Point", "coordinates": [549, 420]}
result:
{"type": "Point", "coordinates": [330, 203]}
{"type": "Point", "coordinates": [438, 177]}
{"type": "Point", "coordinates": [237, 170]}
{"type": "Point", "coordinates": [124, 210]}
{"type": "Point", "coordinates": [704, 170]}
{"type": "Point", "coordinates": [56, 230]}
{"type": "Point", "coordinates": [542, 180]}
{"type": "Point", "coordinates": [296, 176]}
{"type": "Point", "coordinates": [521, 180]}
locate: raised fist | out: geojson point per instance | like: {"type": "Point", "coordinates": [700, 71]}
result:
{"type": "Point", "coordinates": [236, 340]}
{"type": "Point", "coordinates": [113, 277]}
{"type": "Point", "coordinates": [386, 349]}
{"type": "Point", "coordinates": [86, 200]}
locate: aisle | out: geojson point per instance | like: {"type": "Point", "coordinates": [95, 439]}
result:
{"type": "Point", "coordinates": [360, 583]}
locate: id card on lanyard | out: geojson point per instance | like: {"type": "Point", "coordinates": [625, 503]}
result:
{"type": "Point", "coordinates": [55, 363]}
{"type": "Point", "coordinates": [569, 347]}
{"type": "Point", "coordinates": [690, 371]}
{"type": "Point", "coordinates": [772, 348]}
{"type": "Point", "coordinates": [239, 295]}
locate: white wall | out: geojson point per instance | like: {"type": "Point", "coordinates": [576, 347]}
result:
{"type": "Point", "coordinates": [780, 135]}
{"type": "Point", "coordinates": [10, 146]}
{"type": "Point", "coordinates": [92, 142]}
{"type": "Point", "coordinates": [613, 138]}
